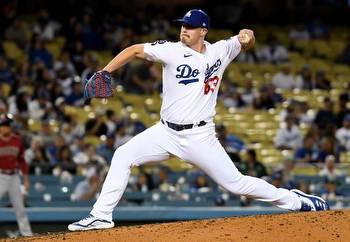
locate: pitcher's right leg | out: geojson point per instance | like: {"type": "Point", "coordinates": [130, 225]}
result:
{"type": "Point", "coordinates": [145, 147]}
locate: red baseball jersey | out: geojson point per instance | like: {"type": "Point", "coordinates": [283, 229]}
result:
{"type": "Point", "coordinates": [12, 154]}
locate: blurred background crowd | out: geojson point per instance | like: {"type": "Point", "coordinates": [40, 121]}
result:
{"type": "Point", "coordinates": [283, 111]}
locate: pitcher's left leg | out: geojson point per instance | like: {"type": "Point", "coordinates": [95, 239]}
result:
{"type": "Point", "coordinates": [211, 157]}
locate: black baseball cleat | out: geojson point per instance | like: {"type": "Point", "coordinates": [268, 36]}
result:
{"type": "Point", "coordinates": [310, 202]}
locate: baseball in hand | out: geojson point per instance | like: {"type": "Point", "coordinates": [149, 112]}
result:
{"type": "Point", "coordinates": [245, 38]}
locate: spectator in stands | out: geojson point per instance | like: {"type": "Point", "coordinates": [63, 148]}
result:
{"type": "Point", "coordinates": [273, 52]}
{"type": "Point", "coordinates": [308, 152]}
{"type": "Point", "coordinates": [18, 104]}
{"type": "Point", "coordinates": [343, 134]}
{"type": "Point", "coordinates": [290, 110]}
{"type": "Point", "coordinates": [302, 113]}
{"type": "Point", "coordinates": [143, 79]}
{"type": "Point", "coordinates": [144, 182]}
{"type": "Point", "coordinates": [6, 75]}
{"type": "Point", "coordinates": [106, 149]}
{"type": "Point", "coordinates": [76, 97]}
{"type": "Point", "coordinates": [284, 79]}
{"type": "Point", "coordinates": [162, 183]}
{"type": "Point", "coordinates": [91, 39]}
{"type": "Point", "coordinates": [3, 101]}
{"type": "Point", "coordinates": [37, 158]}
{"type": "Point", "coordinates": [284, 176]}
{"type": "Point", "coordinates": [317, 29]}
{"type": "Point", "coordinates": [70, 129]}
{"type": "Point", "coordinates": [299, 32]}
{"type": "Point", "coordinates": [343, 110]}
{"type": "Point", "coordinates": [124, 134]}
{"type": "Point", "coordinates": [329, 170]}
{"type": "Point", "coordinates": [159, 25]}
{"type": "Point", "coordinates": [53, 149]}
{"type": "Point", "coordinates": [288, 137]}
{"type": "Point", "coordinates": [112, 121]}
{"type": "Point", "coordinates": [46, 133]}
{"type": "Point", "coordinates": [232, 98]}
{"type": "Point", "coordinates": [344, 57]}
{"type": "Point", "coordinates": [66, 131]}
{"type": "Point", "coordinates": [271, 92]}
{"type": "Point", "coordinates": [40, 74]}
{"type": "Point", "coordinates": [79, 55]}
{"type": "Point", "coordinates": [330, 190]}
{"type": "Point", "coordinates": [248, 93]}
{"type": "Point", "coordinates": [23, 72]}
{"type": "Point", "coordinates": [321, 81]}
{"type": "Point", "coordinates": [304, 187]}
{"type": "Point", "coordinates": [40, 108]}
{"type": "Point", "coordinates": [55, 90]}
{"type": "Point", "coordinates": [59, 109]}
{"type": "Point", "coordinates": [65, 81]}
{"type": "Point", "coordinates": [327, 147]}
{"type": "Point", "coordinates": [78, 145]}
{"type": "Point", "coordinates": [251, 166]}
{"type": "Point", "coordinates": [325, 115]}
{"type": "Point", "coordinates": [88, 189]}
{"type": "Point", "coordinates": [232, 144]}
{"type": "Point", "coordinates": [305, 79]}
{"type": "Point", "coordinates": [64, 62]}
{"type": "Point", "coordinates": [18, 32]}
{"type": "Point", "coordinates": [38, 52]}
{"type": "Point", "coordinates": [249, 56]}
{"type": "Point", "coordinates": [96, 126]}
{"type": "Point", "coordinates": [138, 127]}
{"type": "Point", "coordinates": [45, 27]}
{"type": "Point", "coordinates": [200, 184]}
{"type": "Point", "coordinates": [277, 179]}
{"type": "Point", "coordinates": [92, 67]}
{"type": "Point", "coordinates": [267, 98]}
{"type": "Point", "coordinates": [88, 156]}
{"type": "Point", "coordinates": [65, 160]}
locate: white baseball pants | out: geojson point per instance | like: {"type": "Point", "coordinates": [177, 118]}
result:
{"type": "Point", "coordinates": [200, 147]}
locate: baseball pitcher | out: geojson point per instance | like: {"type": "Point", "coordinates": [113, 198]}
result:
{"type": "Point", "coordinates": [192, 72]}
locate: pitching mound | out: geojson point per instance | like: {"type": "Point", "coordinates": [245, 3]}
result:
{"type": "Point", "coordinates": [320, 226]}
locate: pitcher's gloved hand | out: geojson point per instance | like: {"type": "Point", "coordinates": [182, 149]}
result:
{"type": "Point", "coordinates": [98, 86]}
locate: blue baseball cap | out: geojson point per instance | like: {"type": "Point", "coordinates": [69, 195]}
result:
{"type": "Point", "coordinates": [195, 18]}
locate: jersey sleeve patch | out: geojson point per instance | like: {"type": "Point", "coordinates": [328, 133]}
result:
{"type": "Point", "coordinates": [158, 42]}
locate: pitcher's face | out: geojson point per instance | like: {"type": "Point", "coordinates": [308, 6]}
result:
{"type": "Point", "coordinates": [191, 35]}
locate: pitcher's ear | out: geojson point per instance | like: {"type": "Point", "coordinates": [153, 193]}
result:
{"type": "Point", "coordinates": [204, 31]}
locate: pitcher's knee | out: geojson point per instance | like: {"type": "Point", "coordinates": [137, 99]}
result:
{"type": "Point", "coordinates": [236, 185]}
{"type": "Point", "coordinates": [122, 157]}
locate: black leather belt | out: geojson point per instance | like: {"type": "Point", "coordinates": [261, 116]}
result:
{"type": "Point", "coordinates": [179, 127]}
{"type": "Point", "coordinates": [8, 172]}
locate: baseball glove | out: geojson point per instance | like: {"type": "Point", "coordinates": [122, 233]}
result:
{"type": "Point", "coordinates": [98, 86]}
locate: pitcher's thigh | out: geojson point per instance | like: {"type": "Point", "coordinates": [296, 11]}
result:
{"type": "Point", "coordinates": [215, 162]}
{"type": "Point", "coordinates": [148, 146]}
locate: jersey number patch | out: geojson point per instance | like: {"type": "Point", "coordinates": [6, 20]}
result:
{"type": "Point", "coordinates": [210, 84]}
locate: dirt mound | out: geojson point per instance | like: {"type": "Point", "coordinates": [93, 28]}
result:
{"type": "Point", "coordinates": [312, 226]}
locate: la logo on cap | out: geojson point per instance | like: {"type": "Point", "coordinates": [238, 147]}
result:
{"type": "Point", "coordinates": [188, 14]}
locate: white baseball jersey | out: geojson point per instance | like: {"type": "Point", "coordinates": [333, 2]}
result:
{"type": "Point", "coordinates": [191, 79]}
